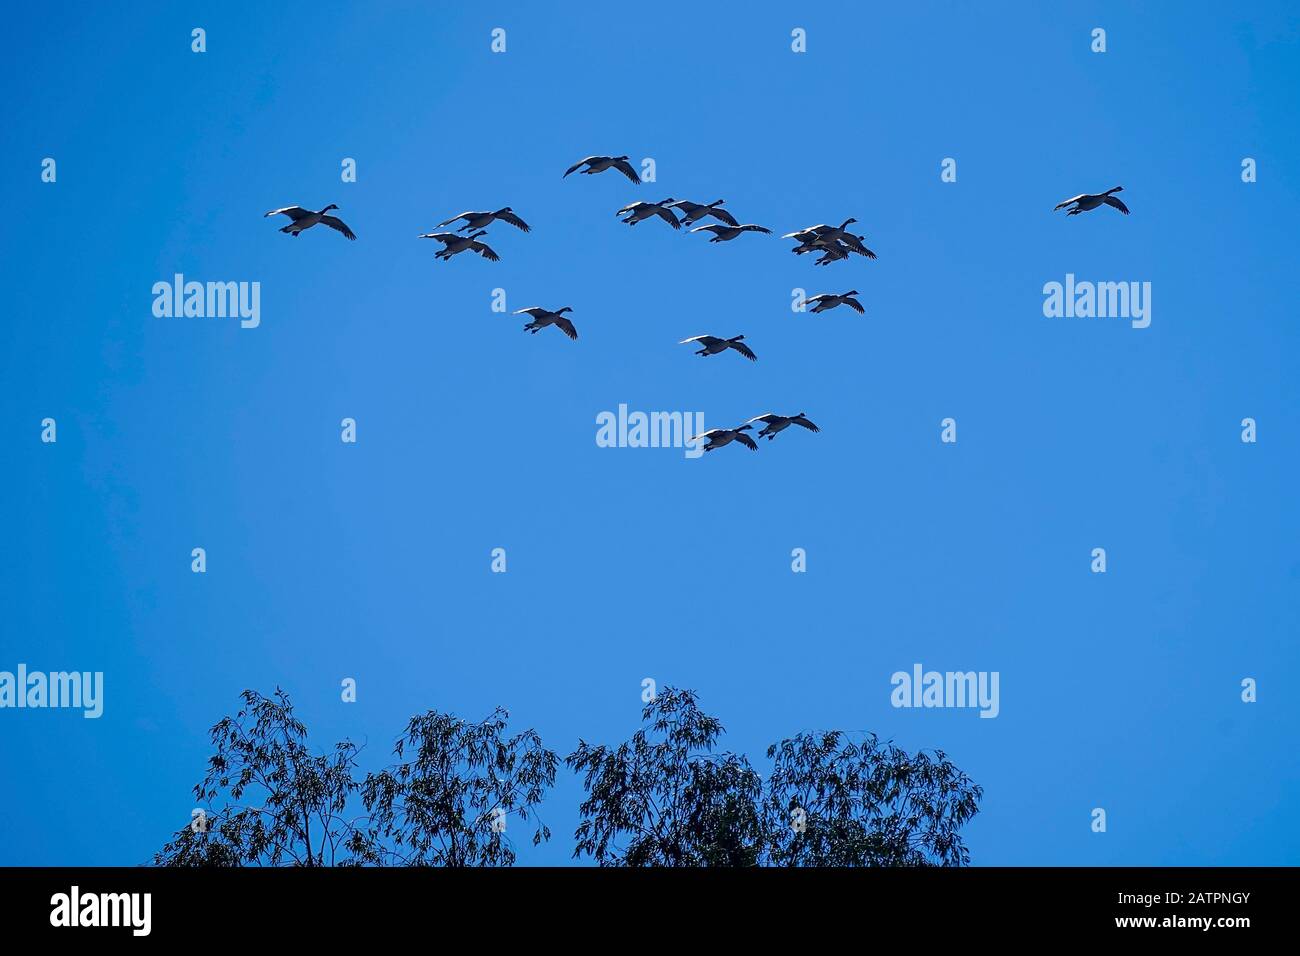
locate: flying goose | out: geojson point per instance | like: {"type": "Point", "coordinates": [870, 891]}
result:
{"type": "Point", "coordinates": [481, 220]}
{"type": "Point", "coordinates": [821, 229]}
{"type": "Point", "coordinates": [695, 211]}
{"type": "Point", "coordinates": [304, 219]}
{"type": "Point", "coordinates": [453, 244]}
{"type": "Point", "coordinates": [598, 164]}
{"type": "Point", "coordinates": [772, 424]}
{"type": "Point", "coordinates": [725, 233]}
{"type": "Point", "coordinates": [644, 210]}
{"type": "Point", "coordinates": [1086, 201]}
{"type": "Point", "coordinates": [812, 241]}
{"type": "Point", "coordinates": [717, 437]}
{"type": "Point", "coordinates": [712, 345]}
{"type": "Point", "coordinates": [826, 301]}
{"type": "Point", "coordinates": [544, 317]}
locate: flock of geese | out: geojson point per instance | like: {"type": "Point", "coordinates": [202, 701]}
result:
{"type": "Point", "coordinates": [829, 244]}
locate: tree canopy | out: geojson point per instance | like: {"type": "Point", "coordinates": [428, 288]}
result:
{"type": "Point", "coordinates": [666, 799]}
{"type": "Point", "coordinates": [268, 801]}
{"type": "Point", "coordinates": [669, 796]}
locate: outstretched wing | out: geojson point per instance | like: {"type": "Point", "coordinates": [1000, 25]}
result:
{"type": "Point", "coordinates": [746, 441]}
{"type": "Point", "coordinates": [624, 167]}
{"type": "Point", "coordinates": [484, 250]}
{"type": "Point", "coordinates": [567, 328]}
{"type": "Point", "coordinates": [293, 212]}
{"type": "Point", "coordinates": [536, 311]}
{"type": "Point", "coordinates": [744, 350]}
{"type": "Point", "coordinates": [767, 419]}
{"type": "Point", "coordinates": [464, 215]}
{"type": "Point", "coordinates": [722, 215]}
{"type": "Point", "coordinates": [667, 216]}
{"type": "Point", "coordinates": [443, 237]}
{"type": "Point", "coordinates": [1062, 205]}
{"type": "Point", "coordinates": [706, 339]}
{"type": "Point", "coordinates": [855, 243]}
{"type": "Point", "coordinates": [753, 228]}
{"type": "Point", "coordinates": [854, 304]}
{"type": "Point", "coordinates": [1112, 201]}
{"type": "Point", "coordinates": [338, 225]}
{"type": "Point", "coordinates": [580, 163]}
{"type": "Point", "coordinates": [514, 221]}
{"type": "Point", "coordinates": [716, 230]}
{"type": "Point", "coordinates": [800, 420]}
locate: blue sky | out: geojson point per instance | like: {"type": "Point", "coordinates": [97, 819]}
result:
{"type": "Point", "coordinates": [371, 560]}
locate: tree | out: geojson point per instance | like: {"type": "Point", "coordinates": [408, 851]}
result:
{"type": "Point", "coordinates": [663, 799]}
{"type": "Point", "coordinates": [668, 801]}
{"type": "Point", "coordinates": [297, 818]}
{"type": "Point", "coordinates": [833, 802]}
{"type": "Point", "coordinates": [268, 801]}
{"type": "Point", "coordinates": [449, 805]}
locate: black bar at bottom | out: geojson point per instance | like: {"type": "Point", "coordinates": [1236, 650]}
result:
{"type": "Point", "coordinates": [333, 905]}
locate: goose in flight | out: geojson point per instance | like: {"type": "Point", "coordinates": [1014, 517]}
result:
{"type": "Point", "coordinates": [644, 210]}
{"type": "Point", "coordinates": [453, 244]}
{"type": "Point", "coordinates": [717, 437]}
{"type": "Point", "coordinates": [840, 232]}
{"type": "Point", "coordinates": [724, 233]}
{"type": "Point", "coordinates": [826, 301]}
{"type": "Point", "coordinates": [304, 219]}
{"type": "Point", "coordinates": [598, 164]}
{"type": "Point", "coordinates": [832, 250]}
{"type": "Point", "coordinates": [712, 345]}
{"type": "Point", "coordinates": [1086, 201]}
{"type": "Point", "coordinates": [544, 317]}
{"type": "Point", "coordinates": [694, 211]}
{"type": "Point", "coordinates": [481, 220]}
{"type": "Point", "coordinates": [772, 424]}
{"type": "Point", "coordinates": [810, 240]}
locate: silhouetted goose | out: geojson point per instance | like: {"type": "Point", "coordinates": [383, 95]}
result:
{"type": "Point", "coordinates": [644, 210]}
{"type": "Point", "coordinates": [695, 212]}
{"type": "Point", "coordinates": [772, 424]}
{"type": "Point", "coordinates": [453, 244]}
{"type": "Point", "coordinates": [712, 345]}
{"type": "Point", "coordinates": [481, 220]}
{"type": "Point", "coordinates": [821, 229]}
{"type": "Point", "coordinates": [826, 301]}
{"type": "Point", "coordinates": [727, 233]}
{"type": "Point", "coordinates": [812, 241]}
{"type": "Point", "coordinates": [304, 219]}
{"type": "Point", "coordinates": [717, 437]}
{"type": "Point", "coordinates": [598, 164]}
{"type": "Point", "coordinates": [544, 317]}
{"type": "Point", "coordinates": [1087, 201]}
